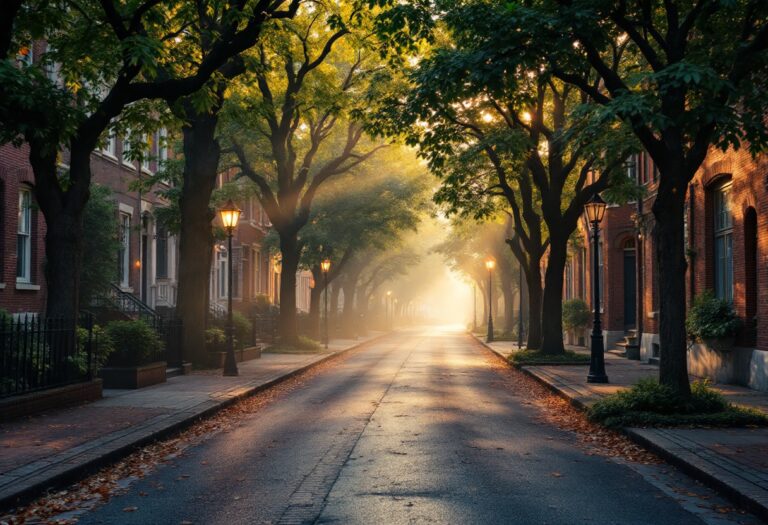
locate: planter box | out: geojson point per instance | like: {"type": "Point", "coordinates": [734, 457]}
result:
{"type": "Point", "coordinates": [216, 359]}
{"type": "Point", "coordinates": [59, 397]}
{"type": "Point", "coordinates": [133, 376]}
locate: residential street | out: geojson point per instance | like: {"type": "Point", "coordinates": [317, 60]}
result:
{"type": "Point", "coordinates": [422, 426]}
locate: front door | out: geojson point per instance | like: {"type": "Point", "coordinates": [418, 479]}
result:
{"type": "Point", "coordinates": [630, 289]}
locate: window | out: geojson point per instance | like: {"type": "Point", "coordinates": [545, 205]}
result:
{"type": "Point", "coordinates": [723, 242]}
{"type": "Point", "coordinates": [161, 253]}
{"type": "Point", "coordinates": [110, 148]}
{"type": "Point", "coordinates": [221, 263]}
{"type": "Point", "coordinates": [568, 280]}
{"type": "Point", "coordinates": [24, 238]}
{"type": "Point", "coordinates": [126, 149]}
{"type": "Point", "coordinates": [162, 146]}
{"type": "Point", "coordinates": [146, 155]}
{"type": "Point", "coordinates": [124, 252]}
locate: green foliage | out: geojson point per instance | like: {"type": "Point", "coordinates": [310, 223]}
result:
{"type": "Point", "coordinates": [649, 403]}
{"type": "Point", "coordinates": [135, 342]}
{"type": "Point", "coordinates": [100, 243]}
{"type": "Point", "coordinates": [576, 314]}
{"type": "Point", "coordinates": [533, 357]}
{"type": "Point", "coordinates": [301, 345]}
{"type": "Point", "coordinates": [711, 318]}
{"type": "Point", "coordinates": [102, 348]}
{"type": "Point", "coordinates": [215, 337]}
{"type": "Point", "coordinates": [243, 329]}
{"type": "Point", "coordinates": [261, 304]}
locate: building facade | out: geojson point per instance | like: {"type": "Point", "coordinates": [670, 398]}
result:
{"type": "Point", "coordinates": [726, 240]}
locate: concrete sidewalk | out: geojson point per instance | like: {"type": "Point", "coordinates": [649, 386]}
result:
{"type": "Point", "coordinates": [48, 450]}
{"type": "Point", "coordinates": [734, 461]}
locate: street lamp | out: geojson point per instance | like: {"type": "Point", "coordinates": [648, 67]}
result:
{"type": "Point", "coordinates": [325, 266]}
{"type": "Point", "coordinates": [229, 214]}
{"type": "Point", "coordinates": [387, 305]}
{"type": "Point", "coordinates": [594, 210]}
{"type": "Point", "coordinates": [490, 264]}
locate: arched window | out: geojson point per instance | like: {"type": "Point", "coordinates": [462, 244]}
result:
{"type": "Point", "coordinates": [723, 241]}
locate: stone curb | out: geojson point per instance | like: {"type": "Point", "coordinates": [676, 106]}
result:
{"type": "Point", "coordinates": [696, 467]}
{"type": "Point", "coordinates": [70, 470]}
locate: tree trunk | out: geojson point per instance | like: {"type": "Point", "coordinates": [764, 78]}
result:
{"type": "Point", "coordinates": [64, 222]}
{"type": "Point", "coordinates": [63, 244]}
{"type": "Point", "coordinates": [508, 295]}
{"type": "Point", "coordinates": [315, 295]}
{"type": "Point", "coordinates": [668, 210]}
{"type": "Point", "coordinates": [552, 307]}
{"type": "Point", "coordinates": [287, 323]}
{"type": "Point", "coordinates": [348, 311]}
{"type": "Point", "coordinates": [201, 162]}
{"type": "Point", "coordinates": [533, 279]}
{"type": "Point", "coordinates": [333, 309]}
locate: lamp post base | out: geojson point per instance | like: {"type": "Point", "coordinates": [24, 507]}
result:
{"type": "Point", "coordinates": [597, 361]}
{"type": "Point", "coordinates": [489, 335]}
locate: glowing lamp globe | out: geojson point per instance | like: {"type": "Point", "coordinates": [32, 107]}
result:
{"type": "Point", "coordinates": [594, 209]}
{"type": "Point", "coordinates": [229, 214]}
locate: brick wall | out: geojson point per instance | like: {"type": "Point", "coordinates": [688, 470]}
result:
{"type": "Point", "coordinates": [15, 173]}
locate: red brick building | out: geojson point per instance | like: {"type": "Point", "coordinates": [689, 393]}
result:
{"type": "Point", "coordinates": [727, 250]}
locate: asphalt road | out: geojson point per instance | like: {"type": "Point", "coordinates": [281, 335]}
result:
{"type": "Point", "coordinates": [419, 427]}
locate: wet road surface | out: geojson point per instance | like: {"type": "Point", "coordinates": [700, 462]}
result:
{"type": "Point", "coordinates": [417, 427]}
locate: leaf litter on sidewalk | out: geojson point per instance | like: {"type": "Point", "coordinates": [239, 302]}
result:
{"type": "Point", "coordinates": [63, 507]}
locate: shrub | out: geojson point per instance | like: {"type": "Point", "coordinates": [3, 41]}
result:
{"type": "Point", "coordinates": [243, 329]}
{"type": "Point", "coordinates": [215, 338]}
{"type": "Point", "coordinates": [711, 318]}
{"type": "Point", "coordinates": [576, 314]}
{"type": "Point", "coordinates": [135, 343]}
{"type": "Point", "coordinates": [649, 403]}
{"type": "Point", "coordinates": [103, 347]}
{"type": "Point", "coordinates": [528, 357]}
{"type": "Point", "coordinates": [302, 344]}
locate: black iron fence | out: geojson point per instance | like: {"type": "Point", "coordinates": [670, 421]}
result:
{"type": "Point", "coordinates": [37, 353]}
{"type": "Point", "coordinates": [170, 333]}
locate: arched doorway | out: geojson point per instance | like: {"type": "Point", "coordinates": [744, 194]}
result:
{"type": "Point", "coordinates": [630, 284]}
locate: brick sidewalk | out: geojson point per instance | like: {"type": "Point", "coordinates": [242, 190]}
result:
{"type": "Point", "coordinates": [733, 461]}
{"type": "Point", "coordinates": [50, 449]}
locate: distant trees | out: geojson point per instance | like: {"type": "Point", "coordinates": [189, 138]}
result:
{"type": "Point", "coordinates": [294, 129]}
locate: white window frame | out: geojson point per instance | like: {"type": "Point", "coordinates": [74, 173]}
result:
{"type": "Point", "coordinates": [722, 252]}
{"type": "Point", "coordinates": [24, 237]}
{"type": "Point", "coordinates": [124, 253]}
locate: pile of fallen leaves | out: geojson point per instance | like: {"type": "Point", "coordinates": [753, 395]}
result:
{"type": "Point", "coordinates": [63, 507]}
{"type": "Point", "coordinates": [555, 410]}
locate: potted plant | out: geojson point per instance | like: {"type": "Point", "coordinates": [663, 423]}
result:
{"type": "Point", "coordinates": [576, 316]}
{"type": "Point", "coordinates": [136, 361]}
{"type": "Point", "coordinates": [712, 321]}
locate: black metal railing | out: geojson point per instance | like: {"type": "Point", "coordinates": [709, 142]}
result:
{"type": "Point", "coordinates": [37, 353]}
{"type": "Point", "coordinates": [170, 332]}
{"type": "Point", "coordinates": [127, 303]}
{"type": "Point", "coordinates": [264, 328]}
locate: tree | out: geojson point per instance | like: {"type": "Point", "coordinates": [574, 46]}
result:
{"type": "Point", "coordinates": [359, 215]}
{"type": "Point", "coordinates": [684, 76]}
{"type": "Point", "coordinates": [308, 79]}
{"type": "Point", "coordinates": [526, 140]}
{"type": "Point", "coordinates": [136, 52]}
{"type": "Point", "coordinates": [101, 244]}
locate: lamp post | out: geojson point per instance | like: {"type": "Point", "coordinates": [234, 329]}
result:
{"type": "Point", "coordinates": [490, 264]}
{"type": "Point", "coordinates": [229, 214]}
{"type": "Point", "coordinates": [474, 307]}
{"type": "Point", "coordinates": [594, 210]}
{"type": "Point", "coordinates": [387, 304]}
{"type": "Point", "coordinates": [325, 266]}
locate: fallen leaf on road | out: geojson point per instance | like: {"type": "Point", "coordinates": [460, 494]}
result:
{"type": "Point", "coordinates": [130, 509]}
{"type": "Point", "coordinates": [556, 475]}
